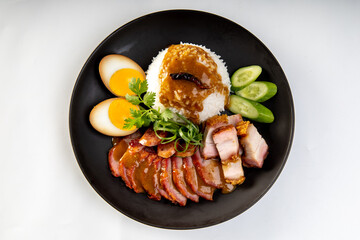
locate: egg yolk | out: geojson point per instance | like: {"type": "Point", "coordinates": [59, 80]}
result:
{"type": "Point", "coordinates": [119, 110]}
{"type": "Point", "coordinates": [119, 81]}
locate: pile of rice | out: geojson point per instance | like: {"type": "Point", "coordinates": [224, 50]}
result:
{"type": "Point", "coordinates": [213, 104]}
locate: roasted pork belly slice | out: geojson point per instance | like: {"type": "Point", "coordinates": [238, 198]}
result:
{"type": "Point", "coordinates": [150, 139]}
{"type": "Point", "coordinates": [145, 172]}
{"type": "Point", "coordinates": [179, 179]}
{"type": "Point", "coordinates": [168, 184]}
{"type": "Point", "coordinates": [195, 182]}
{"type": "Point", "coordinates": [234, 119]}
{"type": "Point", "coordinates": [166, 150]}
{"type": "Point", "coordinates": [209, 170]}
{"type": "Point", "coordinates": [226, 141]}
{"type": "Point", "coordinates": [233, 170]}
{"type": "Point", "coordinates": [209, 150]}
{"type": "Point", "coordinates": [157, 168]}
{"type": "Point", "coordinates": [255, 148]}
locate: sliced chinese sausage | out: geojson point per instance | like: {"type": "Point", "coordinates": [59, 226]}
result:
{"type": "Point", "coordinates": [145, 172]}
{"type": "Point", "coordinates": [209, 170]}
{"type": "Point", "coordinates": [166, 150]}
{"type": "Point", "coordinates": [195, 182]}
{"type": "Point", "coordinates": [168, 184]}
{"type": "Point", "coordinates": [150, 139]}
{"type": "Point", "coordinates": [179, 179]}
{"type": "Point", "coordinates": [157, 168]}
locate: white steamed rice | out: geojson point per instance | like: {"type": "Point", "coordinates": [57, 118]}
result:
{"type": "Point", "coordinates": [213, 104]}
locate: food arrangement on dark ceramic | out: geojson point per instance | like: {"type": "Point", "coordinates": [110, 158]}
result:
{"type": "Point", "coordinates": [171, 139]}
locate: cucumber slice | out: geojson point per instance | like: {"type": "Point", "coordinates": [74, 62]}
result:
{"type": "Point", "coordinates": [250, 109]}
{"type": "Point", "coordinates": [258, 91]}
{"type": "Point", "coordinates": [244, 76]}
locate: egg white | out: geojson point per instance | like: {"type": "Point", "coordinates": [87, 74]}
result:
{"type": "Point", "coordinates": [99, 119]}
{"type": "Point", "coordinates": [114, 62]}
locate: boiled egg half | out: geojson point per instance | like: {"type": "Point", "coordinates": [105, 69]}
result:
{"type": "Point", "coordinates": [108, 117]}
{"type": "Point", "coordinates": [116, 71]}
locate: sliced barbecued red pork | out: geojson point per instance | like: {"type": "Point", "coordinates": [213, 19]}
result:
{"type": "Point", "coordinates": [227, 144]}
{"type": "Point", "coordinates": [157, 168]}
{"type": "Point", "coordinates": [179, 179]}
{"type": "Point", "coordinates": [168, 184]}
{"type": "Point", "coordinates": [150, 139]}
{"type": "Point", "coordinates": [131, 167]}
{"type": "Point", "coordinates": [195, 182]}
{"type": "Point", "coordinates": [166, 150]}
{"type": "Point", "coordinates": [209, 150]}
{"type": "Point", "coordinates": [145, 172]}
{"type": "Point", "coordinates": [209, 170]}
{"type": "Point", "coordinates": [125, 160]}
{"type": "Point", "coordinates": [114, 156]}
{"type": "Point", "coordinates": [255, 148]}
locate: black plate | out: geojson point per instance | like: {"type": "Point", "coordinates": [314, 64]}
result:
{"type": "Point", "coordinates": [141, 40]}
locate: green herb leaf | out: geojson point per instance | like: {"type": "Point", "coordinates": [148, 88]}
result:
{"type": "Point", "coordinates": [149, 99]}
{"type": "Point", "coordinates": [166, 115]}
{"type": "Point", "coordinates": [138, 86]}
{"type": "Point", "coordinates": [133, 99]}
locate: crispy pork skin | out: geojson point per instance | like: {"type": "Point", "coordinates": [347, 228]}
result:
{"type": "Point", "coordinates": [255, 148]}
{"type": "Point", "coordinates": [179, 179]}
{"type": "Point", "coordinates": [168, 184]}
{"type": "Point", "coordinates": [195, 182]}
{"type": "Point", "coordinates": [166, 150]}
{"type": "Point", "coordinates": [150, 139]}
{"type": "Point", "coordinates": [209, 170]}
{"type": "Point", "coordinates": [209, 150]}
{"type": "Point", "coordinates": [227, 144]}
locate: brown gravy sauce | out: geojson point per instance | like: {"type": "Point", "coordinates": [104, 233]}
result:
{"type": "Point", "coordinates": [144, 174]}
{"type": "Point", "coordinates": [186, 95]}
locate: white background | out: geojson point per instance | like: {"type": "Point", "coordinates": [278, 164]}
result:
{"type": "Point", "coordinates": [43, 193]}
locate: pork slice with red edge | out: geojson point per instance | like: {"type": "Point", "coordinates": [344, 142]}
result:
{"type": "Point", "coordinates": [168, 184]}
{"type": "Point", "coordinates": [255, 148]}
{"type": "Point", "coordinates": [114, 163]}
{"type": "Point", "coordinates": [145, 172]}
{"type": "Point", "coordinates": [179, 179]}
{"type": "Point", "coordinates": [131, 171]}
{"type": "Point", "coordinates": [195, 182]}
{"type": "Point", "coordinates": [150, 139]}
{"type": "Point", "coordinates": [227, 144]}
{"type": "Point", "coordinates": [209, 149]}
{"type": "Point", "coordinates": [156, 178]}
{"type": "Point", "coordinates": [209, 170]}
